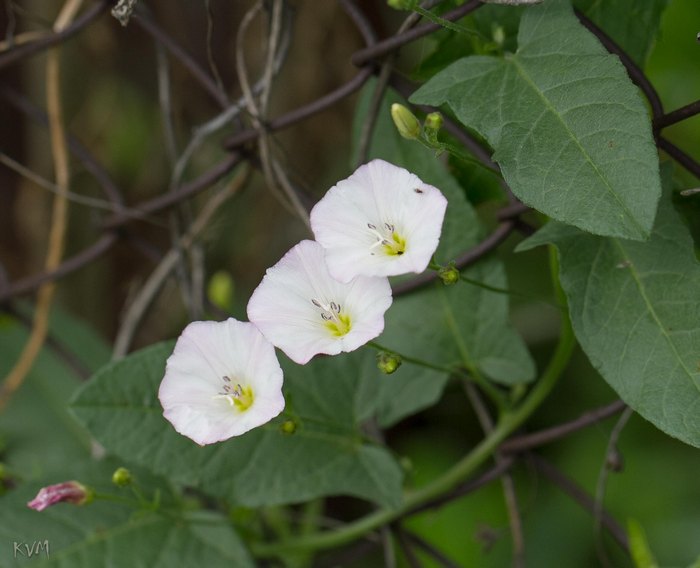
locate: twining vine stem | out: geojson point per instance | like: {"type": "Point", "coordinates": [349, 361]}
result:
{"type": "Point", "coordinates": [115, 227]}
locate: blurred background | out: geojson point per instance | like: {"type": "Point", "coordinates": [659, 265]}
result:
{"type": "Point", "coordinates": [113, 106]}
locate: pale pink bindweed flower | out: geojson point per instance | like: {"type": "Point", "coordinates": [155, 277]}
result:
{"type": "Point", "coordinates": [222, 380]}
{"type": "Point", "coordinates": [381, 221]}
{"type": "Point", "coordinates": [66, 492]}
{"type": "Point", "coordinates": [302, 310]}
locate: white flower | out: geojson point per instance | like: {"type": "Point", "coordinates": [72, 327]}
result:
{"type": "Point", "coordinates": [222, 380]}
{"type": "Point", "coordinates": [302, 310]}
{"type": "Point", "coordinates": [381, 221]}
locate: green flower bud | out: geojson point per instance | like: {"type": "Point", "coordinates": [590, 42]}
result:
{"type": "Point", "coordinates": [499, 35]}
{"type": "Point", "coordinates": [122, 477]}
{"type": "Point", "coordinates": [388, 362]}
{"type": "Point", "coordinates": [406, 122]}
{"type": "Point", "coordinates": [288, 427]}
{"type": "Point", "coordinates": [220, 290]}
{"type": "Point", "coordinates": [431, 127]}
{"type": "Point", "coordinates": [449, 274]}
{"type": "Point", "coordinates": [434, 121]}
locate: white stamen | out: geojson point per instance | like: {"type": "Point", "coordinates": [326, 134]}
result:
{"type": "Point", "coordinates": [383, 238]}
{"type": "Point", "coordinates": [329, 311]}
{"type": "Point", "coordinates": [228, 394]}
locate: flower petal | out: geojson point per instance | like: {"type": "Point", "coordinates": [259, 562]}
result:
{"type": "Point", "coordinates": [287, 306]}
{"type": "Point", "coordinates": [204, 355]}
{"type": "Point", "coordinates": [377, 201]}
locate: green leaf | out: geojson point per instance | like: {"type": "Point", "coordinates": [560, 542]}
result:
{"type": "Point", "coordinates": [407, 391]}
{"type": "Point", "coordinates": [454, 322]}
{"type": "Point", "coordinates": [449, 46]}
{"type": "Point", "coordinates": [635, 311]}
{"type": "Point", "coordinates": [632, 24]}
{"type": "Point", "coordinates": [639, 547]}
{"type": "Point", "coordinates": [570, 131]}
{"type": "Point", "coordinates": [328, 398]}
{"type": "Point", "coordinates": [105, 534]}
{"type": "Point", "coordinates": [36, 428]}
{"type": "Point", "coordinates": [461, 324]}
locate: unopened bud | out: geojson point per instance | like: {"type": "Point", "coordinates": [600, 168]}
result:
{"type": "Point", "coordinates": [431, 127]}
{"type": "Point", "coordinates": [288, 427]}
{"type": "Point", "coordinates": [406, 122]}
{"type": "Point", "coordinates": [122, 477]}
{"type": "Point", "coordinates": [388, 362]}
{"type": "Point", "coordinates": [67, 492]}
{"type": "Point", "coordinates": [449, 274]}
{"type": "Point", "coordinates": [220, 290]}
{"type": "Point", "coordinates": [434, 121]}
{"type": "Point", "coordinates": [499, 35]}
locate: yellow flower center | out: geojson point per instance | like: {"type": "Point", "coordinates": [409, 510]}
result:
{"type": "Point", "coordinates": [340, 325]}
{"type": "Point", "coordinates": [239, 397]}
{"type": "Point", "coordinates": [395, 247]}
{"type": "Point", "coordinates": [390, 241]}
{"type": "Point", "coordinates": [334, 318]}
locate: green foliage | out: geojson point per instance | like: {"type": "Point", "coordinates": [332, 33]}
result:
{"type": "Point", "coordinates": [38, 432]}
{"type": "Point", "coordinates": [634, 309]}
{"type": "Point", "coordinates": [103, 534]}
{"type": "Point", "coordinates": [463, 325]}
{"type": "Point", "coordinates": [639, 547]}
{"type": "Point", "coordinates": [326, 455]}
{"type": "Point", "coordinates": [632, 24]}
{"type": "Point", "coordinates": [572, 137]}
{"type": "Point", "coordinates": [570, 131]}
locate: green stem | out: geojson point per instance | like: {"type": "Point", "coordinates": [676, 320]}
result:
{"type": "Point", "coordinates": [412, 360]}
{"type": "Point", "coordinates": [507, 423]}
{"type": "Point", "coordinates": [117, 499]}
{"type": "Point", "coordinates": [488, 287]}
{"type": "Point", "coordinates": [447, 24]}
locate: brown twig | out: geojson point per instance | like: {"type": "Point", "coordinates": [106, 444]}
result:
{"type": "Point", "coordinates": [59, 215]}
{"type": "Point", "coordinates": [465, 488]}
{"type": "Point", "coordinates": [172, 199]}
{"type": "Point", "coordinates": [54, 343]}
{"type": "Point", "coordinates": [677, 115]}
{"type": "Point", "coordinates": [499, 234]}
{"type": "Point", "coordinates": [25, 50]}
{"type": "Point", "coordinates": [323, 102]}
{"type": "Point", "coordinates": [140, 304]}
{"type": "Point", "coordinates": [581, 497]}
{"type": "Point", "coordinates": [382, 48]}
{"type": "Point", "coordinates": [528, 441]}
{"type": "Point", "coordinates": [635, 73]}
{"type": "Point", "coordinates": [609, 464]}
{"type": "Point", "coordinates": [407, 547]}
{"type": "Point", "coordinates": [511, 499]}
{"type": "Point", "coordinates": [24, 105]}
{"type": "Point", "coordinates": [430, 550]}
{"type": "Point", "coordinates": [76, 262]}
{"type": "Point", "coordinates": [680, 156]}
{"type": "Point", "coordinates": [383, 79]}
{"type": "Point", "coordinates": [184, 58]}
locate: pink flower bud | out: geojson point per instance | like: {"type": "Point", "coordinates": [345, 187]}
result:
{"type": "Point", "coordinates": [67, 492]}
